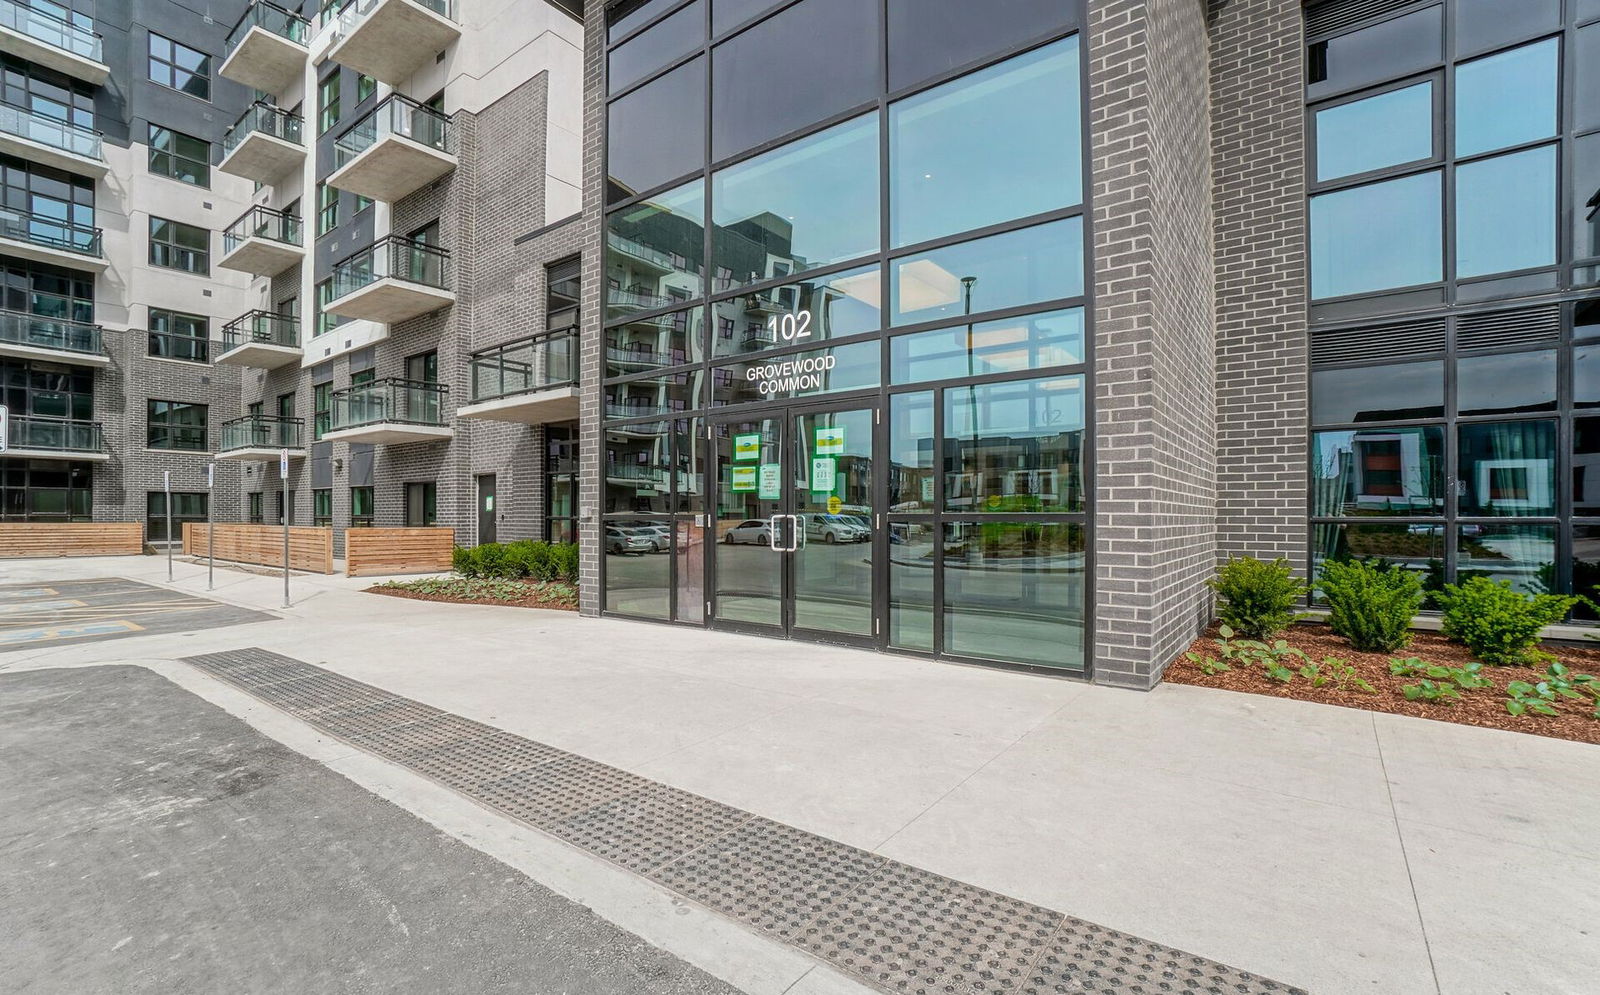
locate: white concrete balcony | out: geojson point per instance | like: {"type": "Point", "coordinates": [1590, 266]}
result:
{"type": "Point", "coordinates": [34, 336]}
{"type": "Point", "coordinates": [262, 340]}
{"type": "Point", "coordinates": [531, 381]}
{"type": "Point", "coordinates": [267, 48]}
{"type": "Point", "coordinates": [392, 280]}
{"type": "Point", "coordinates": [263, 242]}
{"type": "Point", "coordinates": [49, 41]}
{"type": "Point", "coordinates": [264, 144]}
{"type": "Point", "coordinates": [36, 137]}
{"type": "Point", "coordinates": [32, 437]}
{"type": "Point", "coordinates": [396, 149]}
{"type": "Point", "coordinates": [50, 240]}
{"type": "Point", "coordinates": [391, 39]}
{"type": "Point", "coordinates": [390, 412]}
{"type": "Point", "coordinates": [260, 438]}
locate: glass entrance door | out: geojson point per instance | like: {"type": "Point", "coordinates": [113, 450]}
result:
{"type": "Point", "coordinates": [796, 527]}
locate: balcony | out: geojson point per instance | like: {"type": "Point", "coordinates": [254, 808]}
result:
{"type": "Point", "coordinates": [391, 39]}
{"type": "Point", "coordinates": [390, 412]}
{"type": "Point", "coordinates": [634, 298]}
{"type": "Point", "coordinates": [263, 242]}
{"type": "Point", "coordinates": [395, 149]}
{"type": "Point", "coordinates": [267, 48]}
{"type": "Point", "coordinates": [40, 138]}
{"type": "Point", "coordinates": [264, 144]}
{"type": "Point", "coordinates": [531, 381]}
{"type": "Point", "coordinates": [262, 437]}
{"type": "Point", "coordinates": [33, 336]}
{"type": "Point", "coordinates": [391, 280]}
{"type": "Point", "coordinates": [183, 348]}
{"type": "Point", "coordinates": [262, 340]}
{"type": "Point", "coordinates": [50, 240]}
{"type": "Point", "coordinates": [640, 255]}
{"type": "Point", "coordinates": [31, 437]}
{"type": "Point", "coordinates": [47, 40]}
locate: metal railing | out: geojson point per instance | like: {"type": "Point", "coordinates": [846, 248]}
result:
{"type": "Point", "coordinates": [639, 297]}
{"type": "Point", "coordinates": [395, 115]}
{"type": "Point", "coordinates": [172, 345]}
{"type": "Point", "coordinates": [262, 222]}
{"type": "Point", "coordinates": [268, 17]}
{"type": "Point", "coordinates": [265, 119]}
{"type": "Point", "coordinates": [638, 250]}
{"type": "Point", "coordinates": [351, 15]}
{"type": "Point", "coordinates": [262, 432]}
{"type": "Point", "coordinates": [50, 29]}
{"type": "Point", "coordinates": [54, 434]}
{"type": "Point", "coordinates": [392, 257]}
{"type": "Point", "coordinates": [549, 359]}
{"type": "Point", "coordinates": [51, 131]}
{"type": "Point", "coordinates": [261, 328]}
{"type": "Point", "coordinates": [21, 328]}
{"type": "Point", "coordinates": [54, 233]}
{"type": "Point", "coordinates": [410, 402]}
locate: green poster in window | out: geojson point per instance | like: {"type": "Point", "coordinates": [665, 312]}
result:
{"type": "Point", "coordinates": [744, 478]}
{"type": "Point", "coordinates": [824, 474]}
{"type": "Point", "coordinates": [746, 447]}
{"type": "Point", "coordinates": [830, 441]}
{"type": "Point", "coordinates": [771, 486]}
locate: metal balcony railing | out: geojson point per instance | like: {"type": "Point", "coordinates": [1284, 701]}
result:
{"type": "Point", "coordinates": [637, 297]}
{"type": "Point", "coordinates": [263, 432]}
{"type": "Point", "coordinates": [263, 118]}
{"type": "Point", "coordinates": [51, 131]}
{"type": "Point", "coordinates": [54, 434]}
{"type": "Point", "coordinates": [50, 29]}
{"type": "Point", "coordinates": [392, 257]}
{"type": "Point", "coordinates": [262, 222]}
{"type": "Point", "coordinates": [395, 115]}
{"type": "Point", "coordinates": [171, 345]}
{"type": "Point", "coordinates": [40, 332]}
{"type": "Point", "coordinates": [409, 402]}
{"type": "Point", "coordinates": [263, 328]}
{"type": "Point", "coordinates": [53, 233]}
{"type": "Point", "coordinates": [350, 15]}
{"type": "Point", "coordinates": [638, 250]}
{"type": "Point", "coordinates": [549, 359]}
{"type": "Point", "coordinates": [269, 17]}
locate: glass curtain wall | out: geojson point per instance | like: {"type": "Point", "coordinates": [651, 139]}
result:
{"type": "Point", "coordinates": [904, 230]}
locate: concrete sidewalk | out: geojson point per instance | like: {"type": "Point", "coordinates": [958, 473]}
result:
{"type": "Point", "coordinates": [1333, 849]}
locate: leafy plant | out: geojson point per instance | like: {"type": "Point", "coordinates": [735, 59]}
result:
{"type": "Point", "coordinates": [1467, 678]}
{"type": "Point", "coordinates": [1258, 596]}
{"type": "Point", "coordinates": [1437, 692]}
{"type": "Point", "coordinates": [1500, 625]}
{"type": "Point", "coordinates": [1336, 673]}
{"type": "Point", "coordinates": [1210, 666]}
{"type": "Point", "coordinates": [1560, 682]}
{"type": "Point", "coordinates": [1523, 697]}
{"type": "Point", "coordinates": [1370, 606]}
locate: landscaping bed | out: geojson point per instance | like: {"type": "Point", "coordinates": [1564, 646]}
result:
{"type": "Point", "coordinates": [484, 591]}
{"type": "Point", "coordinates": [1485, 706]}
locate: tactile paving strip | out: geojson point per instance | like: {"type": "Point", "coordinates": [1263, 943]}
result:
{"type": "Point", "coordinates": [895, 927]}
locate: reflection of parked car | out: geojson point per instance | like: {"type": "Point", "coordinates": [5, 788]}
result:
{"type": "Point", "coordinates": [659, 534]}
{"type": "Point", "coordinates": [620, 540]}
{"type": "Point", "coordinates": [753, 531]}
{"type": "Point", "coordinates": [834, 528]}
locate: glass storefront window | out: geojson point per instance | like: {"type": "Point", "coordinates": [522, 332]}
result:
{"type": "Point", "coordinates": [1586, 376]}
{"type": "Point", "coordinates": [657, 132]}
{"type": "Point", "coordinates": [1014, 447]}
{"type": "Point", "coordinates": [671, 339]}
{"type": "Point", "coordinates": [670, 38]}
{"type": "Point", "coordinates": [1586, 569]}
{"type": "Point", "coordinates": [1015, 268]}
{"type": "Point", "coordinates": [655, 251]}
{"type": "Point", "coordinates": [1506, 213]}
{"type": "Point", "coordinates": [1507, 99]}
{"type": "Point", "coordinates": [1395, 471]}
{"type": "Point", "coordinates": [1007, 345]}
{"type": "Point", "coordinates": [1586, 466]}
{"type": "Point", "coordinates": [1377, 237]}
{"type": "Point", "coordinates": [823, 307]}
{"type": "Point", "coordinates": [930, 37]}
{"type": "Point", "coordinates": [797, 374]}
{"type": "Point", "coordinates": [996, 145]}
{"type": "Point", "coordinates": [1515, 383]}
{"type": "Point", "coordinates": [649, 397]}
{"type": "Point", "coordinates": [1415, 547]}
{"type": "Point", "coordinates": [1389, 129]}
{"type": "Point", "coordinates": [801, 207]}
{"type": "Point", "coordinates": [1507, 469]}
{"type": "Point", "coordinates": [638, 469]}
{"type": "Point", "coordinates": [1525, 555]}
{"type": "Point", "coordinates": [1014, 592]}
{"type": "Point", "coordinates": [911, 565]}
{"type": "Point", "coordinates": [638, 582]}
{"type": "Point", "coordinates": [912, 473]}
{"type": "Point", "coordinates": [1404, 392]}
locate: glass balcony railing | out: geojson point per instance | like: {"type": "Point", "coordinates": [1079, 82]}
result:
{"type": "Point", "coordinates": [54, 434]}
{"type": "Point", "coordinates": [642, 298]}
{"type": "Point", "coordinates": [40, 332]}
{"type": "Point", "coordinates": [261, 328]}
{"type": "Point", "coordinates": [269, 17]}
{"type": "Point", "coordinates": [546, 360]}
{"type": "Point", "coordinates": [638, 250]}
{"type": "Point", "coordinates": [51, 30]}
{"type": "Point", "coordinates": [262, 222]}
{"type": "Point", "coordinates": [53, 233]}
{"type": "Point", "coordinates": [265, 119]}
{"type": "Point", "coordinates": [262, 432]}
{"type": "Point", "coordinates": [351, 14]}
{"type": "Point", "coordinates": [395, 115]}
{"type": "Point", "coordinates": [46, 130]}
{"type": "Point", "coordinates": [409, 402]}
{"type": "Point", "coordinates": [171, 345]}
{"type": "Point", "coordinates": [392, 257]}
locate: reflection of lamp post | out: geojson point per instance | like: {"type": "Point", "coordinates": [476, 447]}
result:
{"type": "Point", "coordinates": [967, 283]}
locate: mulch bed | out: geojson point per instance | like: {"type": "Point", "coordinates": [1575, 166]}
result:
{"type": "Point", "coordinates": [535, 601]}
{"type": "Point", "coordinates": [1485, 707]}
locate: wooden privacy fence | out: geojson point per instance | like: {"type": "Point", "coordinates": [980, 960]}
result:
{"type": "Point", "coordinates": [71, 539]}
{"type": "Point", "coordinates": [310, 548]}
{"type": "Point", "coordinates": [368, 552]}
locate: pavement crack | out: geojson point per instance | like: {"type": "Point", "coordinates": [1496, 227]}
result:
{"type": "Point", "coordinates": [1411, 881]}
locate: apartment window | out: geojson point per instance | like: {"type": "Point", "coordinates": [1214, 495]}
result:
{"type": "Point", "coordinates": [175, 335]}
{"type": "Point", "coordinates": [362, 203]}
{"type": "Point", "coordinates": [286, 405]}
{"type": "Point", "coordinates": [328, 103]}
{"type": "Point", "coordinates": [255, 507]}
{"type": "Point", "coordinates": [278, 506]}
{"type": "Point", "coordinates": [327, 209]}
{"type": "Point", "coordinates": [254, 410]}
{"type": "Point", "coordinates": [321, 409]}
{"type": "Point", "coordinates": [46, 490]}
{"type": "Point", "coordinates": [183, 157]}
{"type": "Point", "coordinates": [174, 245]}
{"type": "Point", "coordinates": [422, 504]}
{"type": "Point", "coordinates": [366, 86]}
{"type": "Point", "coordinates": [187, 506]}
{"type": "Point", "coordinates": [175, 425]}
{"type": "Point", "coordinates": [322, 506]}
{"type": "Point", "coordinates": [561, 484]}
{"type": "Point", "coordinates": [361, 507]}
{"type": "Point", "coordinates": [180, 67]}
{"type": "Point", "coordinates": [423, 368]}
{"type": "Point", "coordinates": [361, 377]}
{"type": "Point", "coordinates": [325, 321]}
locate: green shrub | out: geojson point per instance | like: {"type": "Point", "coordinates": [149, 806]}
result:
{"type": "Point", "coordinates": [1501, 626]}
{"type": "Point", "coordinates": [564, 562]}
{"type": "Point", "coordinates": [1258, 597]}
{"type": "Point", "coordinates": [467, 561]}
{"type": "Point", "coordinates": [1370, 606]}
{"type": "Point", "coordinates": [528, 558]}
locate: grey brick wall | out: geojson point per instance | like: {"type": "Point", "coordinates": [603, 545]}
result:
{"type": "Point", "coordinates": [591, 443]}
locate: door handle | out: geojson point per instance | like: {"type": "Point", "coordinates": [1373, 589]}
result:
{"type": "Point", "coordinates": [799, 537]}
{"type": "Point", "coordinates": [775, 527]}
